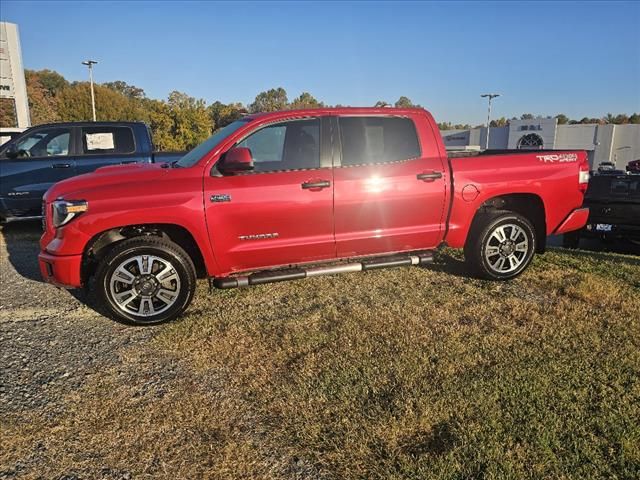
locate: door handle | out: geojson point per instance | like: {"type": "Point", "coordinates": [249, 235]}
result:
{"type": "Point", "coordinates": [316, 184]}
{"type": "Point", "coordinates": [126, 162]}
{"type": "Point", "coordinates": [61, 165]}
{"type": "Point", "coordinates": [429, 177]}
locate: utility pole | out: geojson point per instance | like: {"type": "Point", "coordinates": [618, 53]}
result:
{"type": "Point", "coordinates": [491, 96]}
{"type": "Point", "coordinates": [90, 64]}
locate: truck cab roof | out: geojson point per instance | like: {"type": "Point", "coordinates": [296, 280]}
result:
{"type": "Point", "coordinates": [334, 111]}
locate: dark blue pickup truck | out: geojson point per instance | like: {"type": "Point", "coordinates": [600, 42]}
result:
{"type": "Point", "coordinates": [41, 156]}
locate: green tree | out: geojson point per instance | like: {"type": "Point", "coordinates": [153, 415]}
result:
{"type": "Point", "coordinates": [124, 88]}
{"type": "Point", "coordinates": [562, 119]}
{"type": "Point", "coordinates": [634, 118]}
{"type": "Point", "coordinates": [270, 101]}
{"type": "Point", "coordinates": [381, 103]}
{"type": "Point", "coordinates": [161, 124]}
{"type": "Point", "coordinates": [405, 102]}
{"type": "Point", "coordinates": [305, 100]}
{"type": "Point", "coordinates": [621, 119]}
{"type": "Point", "coordinates": [191, 120]}
{"type": "Point", "coordinates": [500, 122]}
{"type": "Point", "coordinates": [527, 116]}
{"type": "Point", "coordinates": [223, 114]}
{"type": "Point", "coordinates": [52, 81]}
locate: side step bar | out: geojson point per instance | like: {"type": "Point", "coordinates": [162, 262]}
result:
{"type": "Point", "coordinates": [272, 276]}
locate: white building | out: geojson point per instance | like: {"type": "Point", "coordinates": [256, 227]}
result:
{"type": "Point", "coordinates": [12, 83]}
{"type": "Point", "coordinates": [604, 143]}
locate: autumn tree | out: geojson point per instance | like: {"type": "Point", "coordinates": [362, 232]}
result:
{"type": "Point", "coordinates": [8, 117]}
{"type": "Point", "coordinates": [270, 101]}
{"type": "Point", "coordinates": [74, 104]}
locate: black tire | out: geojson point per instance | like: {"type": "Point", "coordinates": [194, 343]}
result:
{"type": "Point", "coordinates": [171, 296]}
{"type": "Point", "coordinates": [481, 241]}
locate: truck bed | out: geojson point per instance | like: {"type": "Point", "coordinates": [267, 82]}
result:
{"type": "Point", "coordinates": [481, 153]}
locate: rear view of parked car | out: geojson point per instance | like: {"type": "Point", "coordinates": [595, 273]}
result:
{"type": "Point", "coordinates": [614, 209]}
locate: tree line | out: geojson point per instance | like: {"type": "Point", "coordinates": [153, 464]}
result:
{"type": "Point", "coordinates": [181, 122]}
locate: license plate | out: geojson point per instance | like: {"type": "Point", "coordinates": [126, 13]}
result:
{"type": "Point", "coordinates": [603, 227]}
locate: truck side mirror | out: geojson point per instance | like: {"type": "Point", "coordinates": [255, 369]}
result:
{"type": "Point", "coordinates": [236, 160]}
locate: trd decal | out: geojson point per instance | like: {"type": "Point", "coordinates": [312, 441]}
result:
{"type": "Point", "coordinates": [558, 158]}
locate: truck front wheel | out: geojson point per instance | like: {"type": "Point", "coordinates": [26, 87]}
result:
{"type": "Point", "coordinates": [500, 245]}
{"type": "Point", "coordinates": [145, 281]}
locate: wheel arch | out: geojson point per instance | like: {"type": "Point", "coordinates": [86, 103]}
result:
{"type": "Point", "coordinates": [101, 243]}
{"type": "Point", "coordinates": [529, 205]}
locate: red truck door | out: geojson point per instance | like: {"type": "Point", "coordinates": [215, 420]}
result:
{"type": "Point", "coordinates": [389, 189]}
{"type": "Point", "coordinates": [282, 211]}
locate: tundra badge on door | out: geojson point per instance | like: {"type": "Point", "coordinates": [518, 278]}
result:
{"type": "Point", "coordinates": [220, 197]}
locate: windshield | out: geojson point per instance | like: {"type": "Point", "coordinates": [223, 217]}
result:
{"type": "Point", "coordinates": [209, 144]}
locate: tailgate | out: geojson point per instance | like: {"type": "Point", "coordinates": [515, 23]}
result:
{"type": "Point", "coordinates": [614, 199]}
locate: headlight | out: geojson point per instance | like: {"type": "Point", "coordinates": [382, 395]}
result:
{"type": "Point", "coordinates": [66, 210]}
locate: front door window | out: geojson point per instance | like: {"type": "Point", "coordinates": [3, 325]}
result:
{"type": "Point", "coordinates": [293, 145]}
{"type": "Point", "coordinates": [44, 143]}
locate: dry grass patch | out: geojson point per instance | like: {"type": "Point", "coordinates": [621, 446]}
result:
{"type": "Point", "coordinates": [405, 373]}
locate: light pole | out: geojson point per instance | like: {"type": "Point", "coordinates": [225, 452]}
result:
{"type": "Point", "coordinates": [491, 96]}
{"type": "Point", "coordinates": [90, 64]}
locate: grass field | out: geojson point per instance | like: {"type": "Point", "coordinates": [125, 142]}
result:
{"type": "Point", "coordinates": [406, 373]}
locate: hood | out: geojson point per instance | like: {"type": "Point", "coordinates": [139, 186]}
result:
{"type": "Point", "coordinates": [116, 175]}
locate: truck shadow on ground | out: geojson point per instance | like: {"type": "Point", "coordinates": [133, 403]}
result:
{"type": "Point", "coordinates": [21, 241]}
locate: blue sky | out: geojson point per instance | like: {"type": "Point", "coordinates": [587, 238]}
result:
{"type": "Point", "coordinates": [579, 58]}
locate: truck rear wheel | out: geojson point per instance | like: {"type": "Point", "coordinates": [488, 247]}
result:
{"type": "Point", "coordinates": [145, 281]}
{"type": "Point", "coordinates": [500, 245]}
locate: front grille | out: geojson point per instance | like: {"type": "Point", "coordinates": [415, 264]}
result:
{"type": "Point", "coordinates": [44, 215]}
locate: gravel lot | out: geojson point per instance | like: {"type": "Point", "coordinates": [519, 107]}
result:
{"type": "Point", "coordinates": [49, 339]}
{"type": "Point", "coordinates": [52, 344]}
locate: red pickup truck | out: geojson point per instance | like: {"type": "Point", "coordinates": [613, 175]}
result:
{"type": "Point", "coordinates": [294, 194]}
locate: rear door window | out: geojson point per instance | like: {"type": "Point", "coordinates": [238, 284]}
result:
{"type": "Point", "coordinates": [107, 140]}
{"type": "Point", "coordinates": [372, 140]}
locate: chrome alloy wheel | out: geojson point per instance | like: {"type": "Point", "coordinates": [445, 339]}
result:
{"type": "Point", "coordinates": [507, 248]}
{"type": "Point", "coordinates": [144, 285]}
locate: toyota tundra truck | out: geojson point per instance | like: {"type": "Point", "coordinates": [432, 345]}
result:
{"type": "Point", "coordinates": [295, 194]}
